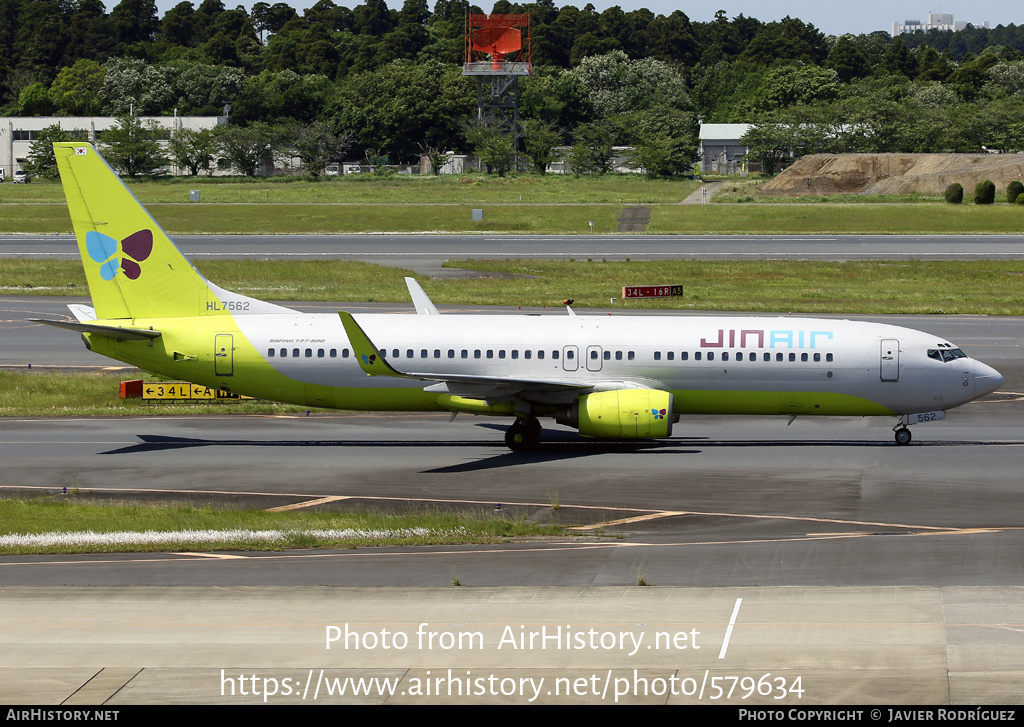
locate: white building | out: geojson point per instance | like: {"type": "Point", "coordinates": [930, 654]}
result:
{"type": "Point", "coordinates": [936, 21]}
{"type": "Point", "coordinates": [720, 149]}
{"type": "Point", "coordinates": [18, 132]}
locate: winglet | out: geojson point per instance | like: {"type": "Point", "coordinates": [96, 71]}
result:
{"type": "Point", "coordinates": [424, 306]}
{"type": "Point", "coordinates": [367, 355]}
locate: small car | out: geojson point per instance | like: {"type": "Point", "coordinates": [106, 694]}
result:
{"type": "Point", "coordinates": [21, 177]}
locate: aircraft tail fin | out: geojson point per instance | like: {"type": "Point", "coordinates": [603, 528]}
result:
{"type": "Point", "coordinates": [133, 268]}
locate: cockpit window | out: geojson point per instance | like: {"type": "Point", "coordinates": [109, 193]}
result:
{"type": "Point", "coordinates": [946, 354]}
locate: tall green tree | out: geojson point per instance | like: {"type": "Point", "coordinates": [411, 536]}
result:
{"type": "Point", "coordinates": [493, 143]}
{"type": "Point", "coordinates": [75, 91]}
{"type": "Point", "coordinates": [249, 148]}
{"type": "Point", "coordinates": [193, 150]}
{"type": "Point", "coordinates": [768, 143]}
{"type": "Point", "coordinates": [540, 140]}
{"type": "Point", "coordinates": [316, 145]}
{"type": "Point", "coordinates": [592, 152]}
{"type": "Point", "coordinates": [132, 147]}
{"type": "Point", "coordinates": [847, 60]}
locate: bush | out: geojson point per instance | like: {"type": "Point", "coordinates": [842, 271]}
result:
{"type": "Point", "coordinates": [1020, 199]}
{"type": "Point", "coordinates": [985, 192]}
{"type": "Point", "coordinates": [1013, 191]}
{"type": "Point", "coordinates": [954, 193]}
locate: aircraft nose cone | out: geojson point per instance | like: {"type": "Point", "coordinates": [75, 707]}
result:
{"type": "Point", "coordinates": [986, 379]}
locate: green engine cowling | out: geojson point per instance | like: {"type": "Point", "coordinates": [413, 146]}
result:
{"type": "Point", "coordinates": [621, 414]}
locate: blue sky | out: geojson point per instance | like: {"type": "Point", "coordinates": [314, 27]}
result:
{"type": "Point", "coordinates": [833, 18]}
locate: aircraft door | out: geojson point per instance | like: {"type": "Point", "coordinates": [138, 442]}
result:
{"type": "Point", "coordinates": [224, 354]}
{"type": "Point", "coordinates": [593, 358]}
{"type": "Point", "coordinates": [570, 358]}
{"type": "Point", "coordinates": [890, 360]}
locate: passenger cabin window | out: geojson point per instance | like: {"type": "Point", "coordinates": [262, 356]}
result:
{"type": "Point", "coordinates": [334, 353]}
{"type": "Point", "coordinates": [344, 353]}
{"type": "Point", "coordinates": [270, 353]}
{"type": "Point", "coordinates": [657, 355]}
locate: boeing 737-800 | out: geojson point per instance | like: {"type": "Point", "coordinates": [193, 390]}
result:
{"type": "Point", "coordinates": [610, 377]}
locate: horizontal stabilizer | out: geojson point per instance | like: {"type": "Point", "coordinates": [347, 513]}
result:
{"type": "Point", "coordinates": [115, 332]}
{"type": "Point", "coordinates": [83, 313]}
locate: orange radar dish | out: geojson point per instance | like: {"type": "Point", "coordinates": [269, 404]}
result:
{"type": "Point", "coordinates": [497, 41]}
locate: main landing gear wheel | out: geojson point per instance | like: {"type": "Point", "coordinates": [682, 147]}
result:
{"type": "Point", "coordinates": [523, 434]}
{"type": "Point", "coordinates": [903, 436]}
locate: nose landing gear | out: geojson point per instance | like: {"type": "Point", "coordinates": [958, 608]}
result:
{"type": "Point", "coordinates": [903, 435]}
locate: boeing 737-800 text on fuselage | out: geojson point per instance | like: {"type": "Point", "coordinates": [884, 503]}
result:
{"type": "Point", "coordinates": [610, 377]}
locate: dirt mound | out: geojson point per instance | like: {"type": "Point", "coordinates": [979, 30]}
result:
{"type": "Point", "coordinates": [827, 174]}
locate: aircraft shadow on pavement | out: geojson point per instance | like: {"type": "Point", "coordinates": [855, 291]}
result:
{"type": "Point", "coordinates": [553, 446]}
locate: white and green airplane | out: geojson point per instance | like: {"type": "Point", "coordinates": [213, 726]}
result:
{"type": "Point", "coordinates": [610, 377]}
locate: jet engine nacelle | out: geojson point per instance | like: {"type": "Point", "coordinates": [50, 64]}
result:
{"type": "Point", "coordinates": [621, 414]}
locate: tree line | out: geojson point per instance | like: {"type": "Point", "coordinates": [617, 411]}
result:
{"type": "Point", "coordinates": [389, 81]}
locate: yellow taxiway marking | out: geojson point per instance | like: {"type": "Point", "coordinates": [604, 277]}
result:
{"type": "Point", "coordinates": [307, 503]}
{"type": "Point", "coordinates": [626, 520]}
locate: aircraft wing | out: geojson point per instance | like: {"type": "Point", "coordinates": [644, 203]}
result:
{"type": "Point", "coordinates": [373, 364]}
{"type": "Point", "coordinates": [115, 332]}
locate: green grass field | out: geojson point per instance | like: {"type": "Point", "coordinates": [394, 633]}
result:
{"type": "Point", "coordinates": [734, 219]}
{"type": "Point", "coordinates": [74, 513]}
{"type": "Point", "coordinates": [618, 189]}
{"type": "Point", "coordinates": [863, 287]}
